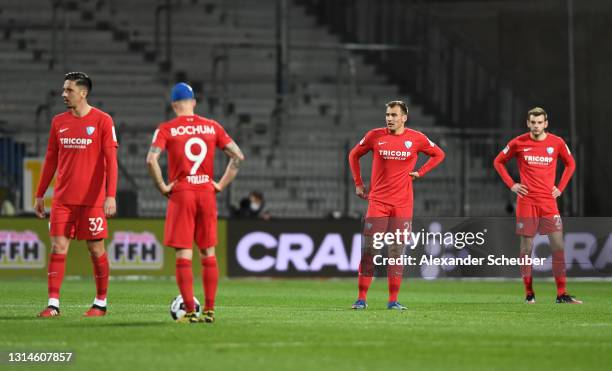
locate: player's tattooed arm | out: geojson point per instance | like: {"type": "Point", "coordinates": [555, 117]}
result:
{"type": "Point", "coordinates": [235, 154]}
{"type": "Point", "coordinates": [156, 173]}
{"type": "Point", "coordinates": [236, 159]}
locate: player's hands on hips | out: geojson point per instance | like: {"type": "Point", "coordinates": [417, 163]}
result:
{"type": "Point", "coordinates": [414, 175]}
{"type": "Point", "coordinates": [217, 187]}
{"type": "Point", "coordinates": [520, 189]}
{"type": "Point", "coordinates": [361, 192]}
{"type": "Point", "coordinates": [110, 207]}
{"type": "Point", "coordinates": [556, 192]}
{"type": "Point", "coordinates": [39, 207]}
{"type": "Point", "coordinates": [166, 189]}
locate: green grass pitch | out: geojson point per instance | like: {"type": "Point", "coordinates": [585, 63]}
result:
{"type": "Point", "coordinates": [307, 325]}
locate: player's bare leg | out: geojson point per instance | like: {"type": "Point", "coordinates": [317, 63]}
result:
{"type": "Point", "coordinates": [558, 268]}
{"type": "Point", "coordinates": [55, 274]}
{"type": "Point", "coordinates": [210, 281]}
{"type": "Point", "coordinates": [99, 260]}
{"type": "Point", "coordinates": [394, 277]}
{"type": "Point", "coordinates": [526, 246]}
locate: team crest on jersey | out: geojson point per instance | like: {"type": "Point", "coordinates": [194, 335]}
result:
{"type": "Point", "coordinates": [408, 144]}
{"type": "Point", "coordinates": [550, 150]}
{"type": "Point", "coordinates": [90, 130]}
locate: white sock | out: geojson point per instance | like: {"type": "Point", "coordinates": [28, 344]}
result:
{"type": "Point", "coordinates": [53, 302]}
{"type": "Point", "coordinates": [100, 303]}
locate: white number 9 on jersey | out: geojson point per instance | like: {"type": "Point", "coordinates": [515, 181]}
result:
{"type": "Point", "coordinates": [199, 158]}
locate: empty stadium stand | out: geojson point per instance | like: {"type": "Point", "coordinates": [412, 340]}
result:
{"type": "Point", "coordinates": [227, 51]}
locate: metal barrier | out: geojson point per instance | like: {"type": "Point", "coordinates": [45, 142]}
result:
{"type": "Point", "coordinates": [56, 23]}
{"type": "Point", "coordinates": [166, 7]}
{"type": "Point", "coordinates": [46, 108]}
{"type": "Point", "coordinates": [220, 72]}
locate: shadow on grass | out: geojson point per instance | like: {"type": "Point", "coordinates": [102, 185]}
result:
{"type": "Point", "coordinates": [122, 324]}
{"type": "Point", "coordinates": [31, 317]}
{"type": "Point", "coordinates": [76, 321]}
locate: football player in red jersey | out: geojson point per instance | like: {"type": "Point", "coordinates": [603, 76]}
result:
{"type": "Point", "coordinates": [83, 149]}
{"type": "Point", "coordinates": [536, 153]}
{"type": "Point", "coordinates": [190, 141]}
{"type": "Point", "coordinates": [395, 149]}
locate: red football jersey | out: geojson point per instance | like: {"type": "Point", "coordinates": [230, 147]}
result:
{"type": "Point", "coordinates": [537, 164]}
{"type": "Point", "coordinates": [191, 142]}
{"type": "Point", "coordinates": [77, 149]}
{"type": "Point", "coordinates": [393, 159]}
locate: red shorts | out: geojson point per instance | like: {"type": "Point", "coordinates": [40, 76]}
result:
{"type": "Point", "coordinates": [543, 218]}
{"type": "Point", "coordinates": [191, 215]}
{"type": "Point", "coordinates": [382, 217]}
{"type": "Point", "coordinates": [80, 222]}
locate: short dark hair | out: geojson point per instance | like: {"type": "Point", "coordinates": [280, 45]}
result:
{"type": "Point", "coordinates": [257, 194]}
{"type": "Point", "coordinates": [537, 111]}
{"type": "Point", "coordinates": [80, 79]}
{"type": "Point", "coordinates": [398, 103]}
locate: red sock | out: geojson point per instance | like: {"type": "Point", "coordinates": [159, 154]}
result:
{"type": "Point", "coordinates": [184, 280]}
{"type": "Point", "coordinates": [364, 283]}
{"type": "Point", "coordinates": [100, 268]}
{"type": "Point", "coordinates": [210, 280]}
{"type": "Point", "coordinates": [527, 277]}
{"type": "Point", "coordinates": [366, 274]}
{"type": "Point", "coordinates": [394, 281]}
{"type": "Point", "coordinates": [55, 276]}
{"type": "Point", "coordinates": [528, 282]}
{"type": "Point", "coordinates": [558, 268]}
